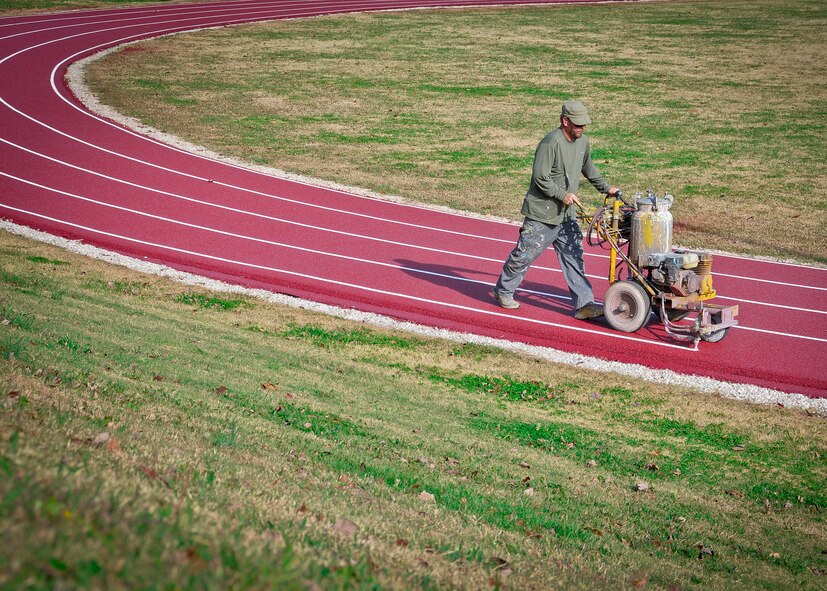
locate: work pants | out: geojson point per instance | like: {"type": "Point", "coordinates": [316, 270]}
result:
{"type": "Point", "coordinates": [535, 238]}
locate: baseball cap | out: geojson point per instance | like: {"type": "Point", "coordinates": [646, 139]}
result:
{"type": "Point", "coordinates": [576, 112]}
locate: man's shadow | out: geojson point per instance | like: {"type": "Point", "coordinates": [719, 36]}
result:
{"type": "Point", "coordinates": [478, 285]}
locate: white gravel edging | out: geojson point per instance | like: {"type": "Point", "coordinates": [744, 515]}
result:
{"type": "Point", "coordinates": [742, 392]}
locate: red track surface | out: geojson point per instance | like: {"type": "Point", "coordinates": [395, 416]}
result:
{"type": "Point", "coordinates": [68, 172]}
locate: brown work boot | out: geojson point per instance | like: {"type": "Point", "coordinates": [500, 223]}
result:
{"type": "Point", "coordinates": [589, 311]}
{"type": "Point", "coordinates": [506, 302]}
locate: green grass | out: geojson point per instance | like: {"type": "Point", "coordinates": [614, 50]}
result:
{"type": "Point", "coordinates": [148, 444]}
{"type": "Point", "coordinates": [207, 301]}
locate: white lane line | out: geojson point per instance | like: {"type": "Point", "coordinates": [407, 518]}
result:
{"type": "Point", "coordinates": [345, 284]}
{"type": "Point", "coordinates": [771, 305]}
{"type": "Point", "coordinates": [74, 19]}
{"type": "Point", "coordinates": [146, 19]}
{"type": "Point", "coordinates": [772, 282]}
{"type": "Point", "coordinates": [252, 213]}
{"type": "Point", "coordinates": [781, 334]}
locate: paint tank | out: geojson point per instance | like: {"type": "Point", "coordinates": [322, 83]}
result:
{"type": "Point", "coordinates": [651, 231]}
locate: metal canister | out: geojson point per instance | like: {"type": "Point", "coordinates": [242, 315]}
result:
{"type": "Point", "coordinates": [651, 231]}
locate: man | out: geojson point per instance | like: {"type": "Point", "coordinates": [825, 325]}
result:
{"type": "Point", "coordinates": [550, 212]}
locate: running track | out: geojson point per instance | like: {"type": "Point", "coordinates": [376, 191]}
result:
{"type": "Point", "coordinates": [68, 172]}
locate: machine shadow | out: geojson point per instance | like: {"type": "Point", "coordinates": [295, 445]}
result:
{"type": "Point", "coordinates": [478, 285]}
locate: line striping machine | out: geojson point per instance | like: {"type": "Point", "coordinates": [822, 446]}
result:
{"type": "Point", "coordinates": [675, 284]}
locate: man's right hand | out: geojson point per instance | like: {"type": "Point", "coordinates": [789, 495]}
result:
{"type": "Point", "coordinates": [570, 198]}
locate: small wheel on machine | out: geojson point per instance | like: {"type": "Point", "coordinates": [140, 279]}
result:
{"type": "Point", "coordinates": [714, 337]}
{"type": "Point", "coordinates": [626, 306]}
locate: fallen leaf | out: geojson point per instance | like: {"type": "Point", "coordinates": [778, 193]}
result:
{"type": "Point", "coordinates": [221, 390]}
{"type": "Point", "coordinates": [640, 583]}
{"type": "Point", "coordinates": [149, 472]}
{"type": "Point", "coordinates": [101, 438]}
{"type": "Point", "coordinates": [302, 509]}
{"type": "Point", "coordinates": [591, 463]}
{"type": "Point", "coordinates": [158, 378]}
{"type": "Point", "coordinates": [524, 465]}
{"type": "Point", "coordinates": [641, 486]}
{"type": "Point", "coordinates": [402, 543]}
{"type": "Point", "coordinates": [269, 386]}
{"type": "Point", "coordinates": [704, 551]}
{"type": "Point", "coordinates": [113, 446]}
{"type": "Point", "coordinates": [526, 480]}
{"type": "Point", "coordinates": [652, 467]}
{"type": "Point", "coordinates": [346, 527]}
{"type": "Point", "coordinates": [735, 493]}
{"type": "Point", "coordinates": [738, 448]}
{"type": "Point", "coordinates": [529, 492]}
{"type": "Point", "coordinates": [307, 425]}
{"type": "Point", "coordinates": [13, 394]}
{"type": "Point", "coordinates": [775, 555]}
{"type": "Point", "coordinates": [595, 531]}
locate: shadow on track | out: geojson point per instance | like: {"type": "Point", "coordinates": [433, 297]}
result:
{"type": "Point", "coordinates": [478, 285]}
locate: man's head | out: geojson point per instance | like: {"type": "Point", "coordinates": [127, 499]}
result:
{"type": "Point", "coordinates": [574, 117]}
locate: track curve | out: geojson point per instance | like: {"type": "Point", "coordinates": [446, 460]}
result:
{"type": "Point", "coordinates": [71, 173]}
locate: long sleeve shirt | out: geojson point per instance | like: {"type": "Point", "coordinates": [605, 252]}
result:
{"type": "Point", "coordinates": [558, 165]}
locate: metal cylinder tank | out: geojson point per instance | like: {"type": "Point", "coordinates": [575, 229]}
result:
{"type": "Point", "coordinates": [651, 231]}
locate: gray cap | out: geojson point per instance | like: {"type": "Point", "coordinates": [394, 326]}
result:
{"type": "Point", "coordinates": [576, 112]}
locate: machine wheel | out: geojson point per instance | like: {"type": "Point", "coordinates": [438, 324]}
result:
{"type": "Point", "coordinates": [714, 337]}
{"type": "Point", "coordinates": [626, 306]}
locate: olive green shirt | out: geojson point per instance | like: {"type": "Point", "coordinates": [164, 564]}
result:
{"type": "Point", "coordinates": [558, 164]}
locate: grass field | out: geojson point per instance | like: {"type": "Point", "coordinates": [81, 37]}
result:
{"type": "Point", "coordinates": [158, 436]}
{"type": "Point", "coordinates": [721, 103]}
